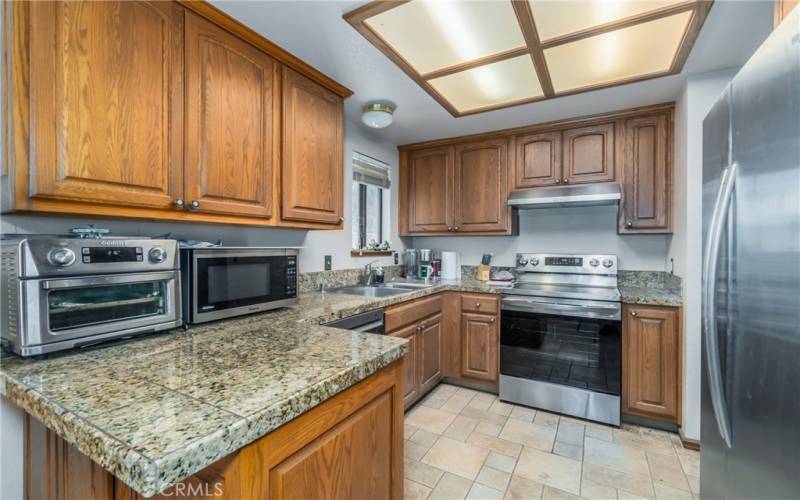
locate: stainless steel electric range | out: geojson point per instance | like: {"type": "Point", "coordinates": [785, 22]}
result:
{"type": "Point", "coordinates": [560, 339]}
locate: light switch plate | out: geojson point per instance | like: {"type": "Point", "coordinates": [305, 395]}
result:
{"type": "Point", "coordinates": [328, 262]}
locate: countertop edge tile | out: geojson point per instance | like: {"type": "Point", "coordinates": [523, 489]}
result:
{"type": "Point", "coordinates": [651, 296]}
{"type": "Point", "coordinates": [134, 469]}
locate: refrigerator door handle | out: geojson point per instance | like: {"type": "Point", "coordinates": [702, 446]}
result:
{"type": "Point", "coordinates": [710, 335]}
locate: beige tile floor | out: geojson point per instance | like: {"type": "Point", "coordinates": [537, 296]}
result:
{"type": "Point", "coordinates": [462, 443]}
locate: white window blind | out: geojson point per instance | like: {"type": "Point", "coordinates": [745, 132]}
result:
{"type": "Point", "coordinates": [370, 171]}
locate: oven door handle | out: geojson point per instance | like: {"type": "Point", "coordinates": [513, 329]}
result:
{"type": "Point", "coordinates": [593, 310]}
{"type": "Point", "coordinates": [112, 279]}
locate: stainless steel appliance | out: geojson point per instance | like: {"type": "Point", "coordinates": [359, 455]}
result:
{"type": "Point", "coordinates": [750, 411]}
{"type": "Point", "coordinates": [368, 322]}
{"type": "Point", "coordinates": [223, 282]}
{"type": "Point", "coordinates": [60, 292]}
{"type": "Point", "coordinates": [560, 336]}
{"type": "Point", "coordinates": [583, 195]}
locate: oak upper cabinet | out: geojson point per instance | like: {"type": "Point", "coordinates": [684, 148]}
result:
{"type": "Point", "coordinates": [312, 175]}
{"type": "Point", "coordinates": [481, 186]}
{"type": "Point", "coordinates": [538, 160]}
{"type": "Point", "coordinates": [231, 123]}
{"type": "Point", "coordinates": [429, 357]}
{"type": "Point", "coordinates": [588, 154]}
{"type": "Point", "coordinates": [480, 337]}
{"type": "Point", "coordinates": [428, 190]}
{"type": "Point", "coordinates": [782, 8]}
{"type": "Point", "coordinates": [646, 204]}
{"type": "Point", "coordinates": [651, 362]}
{"type": "Point", "coordinates": [106, 102]}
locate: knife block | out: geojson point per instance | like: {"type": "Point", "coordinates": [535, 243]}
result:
{"type": "Point", "coordinates": [483, 273]}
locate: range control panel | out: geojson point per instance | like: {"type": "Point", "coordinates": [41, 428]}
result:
{"type": "Point", "coordinates": [567, 263]}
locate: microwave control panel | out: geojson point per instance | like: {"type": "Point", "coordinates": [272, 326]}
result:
{"type": "Point", "coordinates": [291, 276]}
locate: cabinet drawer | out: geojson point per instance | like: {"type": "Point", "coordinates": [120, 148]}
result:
{"type": "Point", "coordinates": [474, 302]}
{"type": "Point", "coordinates": [403, 314]}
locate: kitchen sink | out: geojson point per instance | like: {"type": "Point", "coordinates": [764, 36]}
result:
{"type": "Point", "coordinates": [372, 291]}
{"type": "Point", "coordinates": [408, 285]}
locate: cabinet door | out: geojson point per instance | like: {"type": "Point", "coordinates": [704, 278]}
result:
{"type": "Point", "coordinates": [230, 106]}
{"type": "Point", "coordinates": [412, 371]}
{"type": "Point", "coordinates": [647, 175]}
{"type": "Point", "coordinates": [429, 197]}
{"type": "Point", "coordinates": [312, 175]}
{"type": "Point", "coordinates": [589, 154]}
{"type": "Point", "coordinates": [651, 362]}
{"type": "Point", "coordinates": [480, 346]}
{"type": "Point", "coordinates": [538, 160]}
{"type": "Point", "coordinates": [429, 358]}
{"type": "Point", "coordinates": [107, 100]}
{"type": "Point", "coordinates": [351, 460]}
{"type": "Point", "coordinates": [481, 186]}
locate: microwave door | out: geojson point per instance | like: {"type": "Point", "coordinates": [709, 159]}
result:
{"type": "Point", "coordinates": [232, 284]}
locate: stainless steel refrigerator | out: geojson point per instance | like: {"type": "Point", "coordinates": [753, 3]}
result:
{"type": "Point", "coordinates": [750, 423]}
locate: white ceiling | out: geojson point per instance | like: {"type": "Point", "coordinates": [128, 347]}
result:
{"type": "Point", "coordinates": [316, 32]}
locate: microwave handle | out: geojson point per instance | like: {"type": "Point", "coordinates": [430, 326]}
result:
{"type": "Point", "coordinates": [112, 279]}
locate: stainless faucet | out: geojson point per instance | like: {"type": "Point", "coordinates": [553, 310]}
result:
{"type": "Point", "coordinates": [368, 275]}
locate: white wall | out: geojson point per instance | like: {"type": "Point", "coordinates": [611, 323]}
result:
{"type": "Point", "coordinates": [317, 243]}
{"type": "Point", "coordinates": [698, 95]}
{"type": "Point", "coordinates": [559, 230]}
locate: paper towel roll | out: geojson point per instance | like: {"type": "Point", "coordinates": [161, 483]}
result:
{"type": "Point", "coordinates": [451, 265]}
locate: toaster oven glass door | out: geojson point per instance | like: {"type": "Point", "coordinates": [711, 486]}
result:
{"type": "Point", "coordinates": [239, 281]}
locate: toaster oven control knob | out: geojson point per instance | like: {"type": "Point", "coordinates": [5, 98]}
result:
{"type": "Point", "coordinates": [594, 262]}
{"type": "Point", "coordinates": [521, 261]}
{"type": "Point", "coordinates": [608, 263]}
{"type": "Point", "coordinates": [157, 255]}
{"type": "Point", "coordinates": [61, 257]}
{"type": "Point", "coordinates": [534, 261]}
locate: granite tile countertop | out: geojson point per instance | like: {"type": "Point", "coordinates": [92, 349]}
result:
{"type": "Point", "coordinates": [650, 288]}
{"type": "Point", "coordinates": [157, 409]}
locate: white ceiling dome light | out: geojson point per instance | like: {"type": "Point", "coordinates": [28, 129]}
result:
{"type": "Point", "coordinates": [377, 115]}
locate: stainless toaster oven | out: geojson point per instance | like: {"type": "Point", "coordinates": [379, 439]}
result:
{"type": "Point", "coordinates": [61, 292]}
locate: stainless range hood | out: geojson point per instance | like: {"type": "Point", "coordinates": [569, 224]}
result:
{"type": "Point", "coordinates": [567, 196]}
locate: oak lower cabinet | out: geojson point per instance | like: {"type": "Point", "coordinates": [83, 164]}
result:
{"type": "Point", "coordinates": [646, 180]}
{"type": "Point", "coordinates": [480, 337]}
{"type": "Point", "coordinates": [313, 134]}
{"type": "Point", "coordinates": [350, 446]}
{"type": "Point", "coordinates": [652, 362]}
{"type": "Point", "coordinates": [411, 389]}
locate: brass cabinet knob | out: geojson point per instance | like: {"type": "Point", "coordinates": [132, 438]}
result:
{"type": "Point", "coordinates": [634, 313]}
{"type": "Point", "coordinates": [194, 205]}
{"type": "Point", "coordinates": [558, 181]}
{"type": "Point", "coordinates": [179, 203]}
{"type": "Point", "coordinates": [455, 228]}
{"type": "Point", "coordinates": [492, 320]}
{"type": "Point", "coordinates": [477, 305]}
{"type": "Point", "coordinates": [450, 228]}
{"type": "Point", "coordinates": [341, 219]}
{"type": "Point", "coordinates": [629, 223]}
{"type": "Point", "coordinates": [566, 181]}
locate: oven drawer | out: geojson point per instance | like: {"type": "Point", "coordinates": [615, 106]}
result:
{"type": "Point", "coordinates": [474, 302]}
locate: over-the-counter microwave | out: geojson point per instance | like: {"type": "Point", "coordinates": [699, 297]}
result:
{"type": "Point", "coordinates": [223, 282]}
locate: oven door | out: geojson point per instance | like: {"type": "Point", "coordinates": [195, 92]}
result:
{"type": "Point", "coordinates": [232, 283]}
{"type": "Point", "coordinates": [72, 311]}
{"type": "Point", "coordinates": [562, 355]}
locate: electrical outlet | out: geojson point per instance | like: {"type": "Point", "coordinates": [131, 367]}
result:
{"type": "Point", "coordinates": [328, 262]}
{"type": "Point", "coordinates": [396, 258]}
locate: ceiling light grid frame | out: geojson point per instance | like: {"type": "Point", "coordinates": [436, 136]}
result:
{"type": "Point", "coordinates": [535, 48]}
